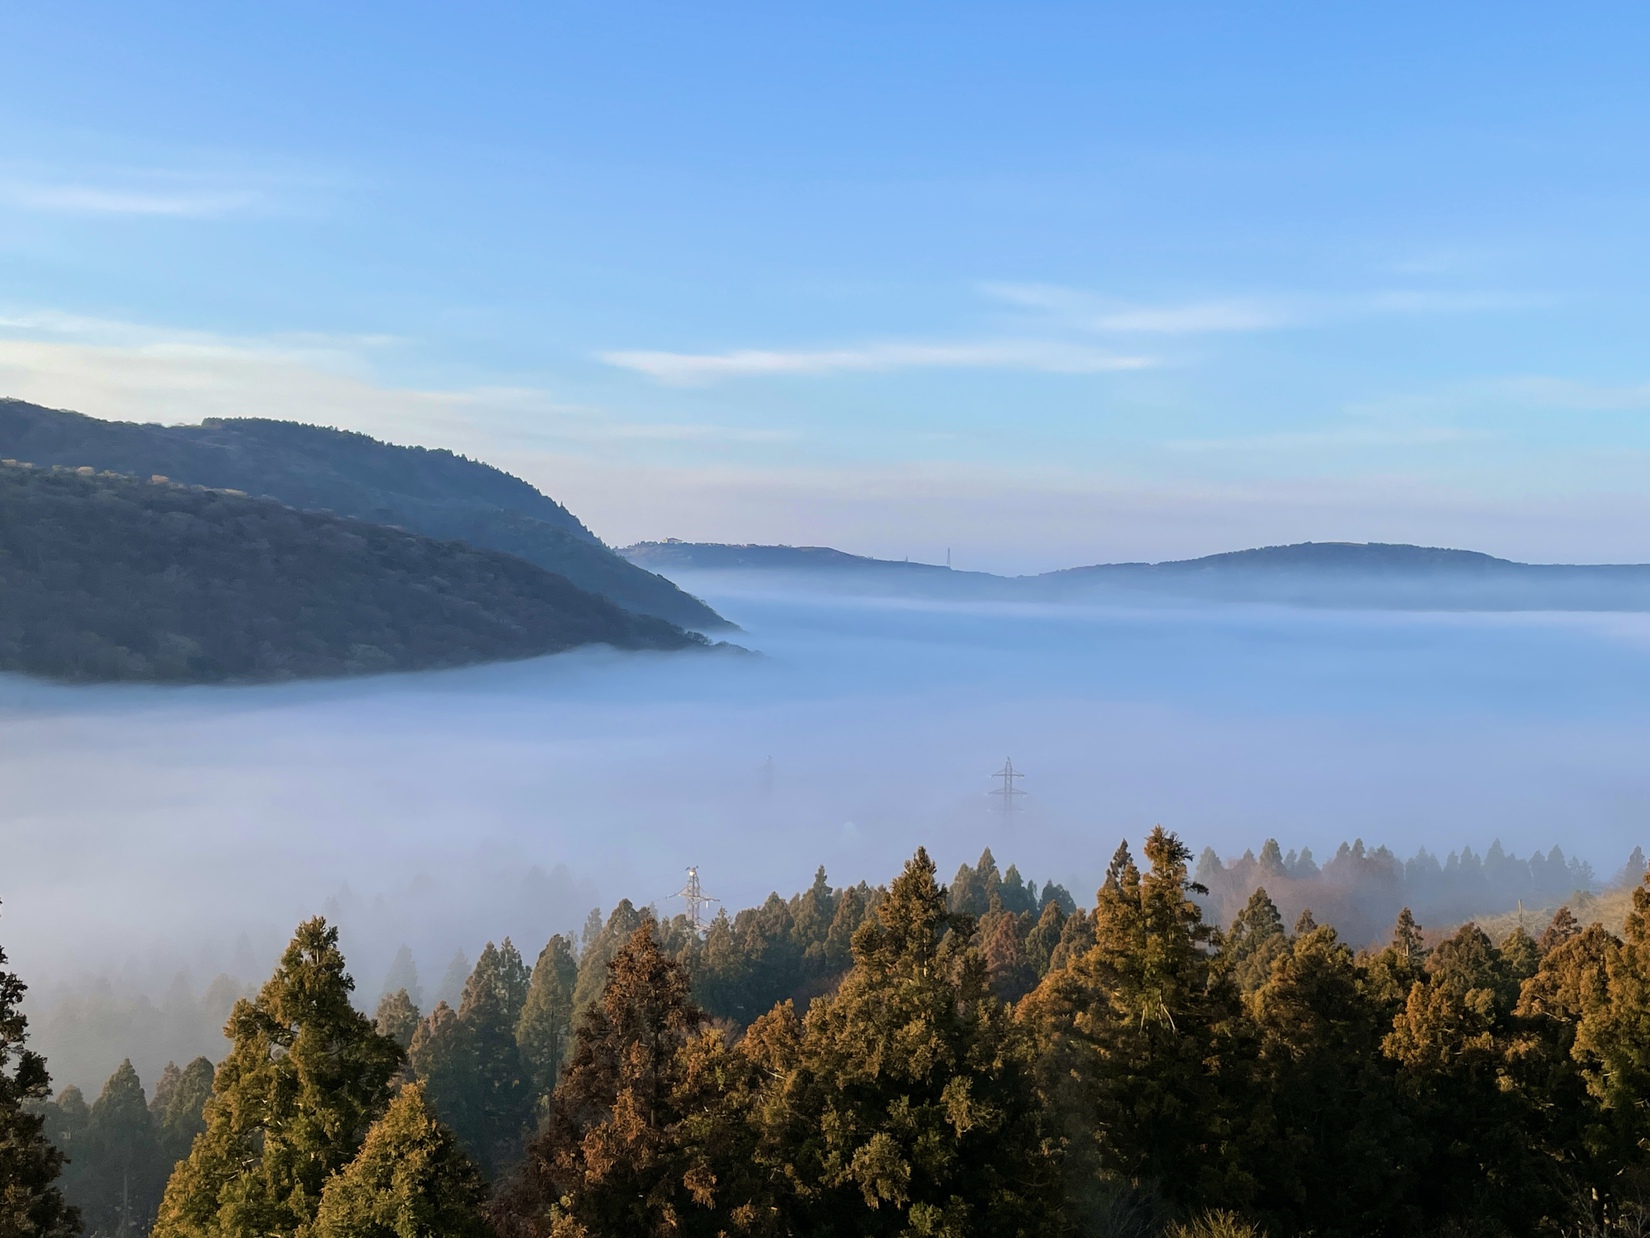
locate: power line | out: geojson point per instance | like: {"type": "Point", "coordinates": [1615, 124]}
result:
{"type": "Point", "coordinates": [1008, 791]}
{"type": "Point", "coordinates": [693, 894]}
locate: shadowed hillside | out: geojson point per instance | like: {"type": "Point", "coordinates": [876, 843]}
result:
{"type": "Point", "coordinates": [110, 578]}
{"type": "Point", "coordinates": [436, 493]}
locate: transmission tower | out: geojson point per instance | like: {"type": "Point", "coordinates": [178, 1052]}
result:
{"type": "Point", "coordinates": [1008, 791]}
{"type": "Point", "coordinates": [693, 894]}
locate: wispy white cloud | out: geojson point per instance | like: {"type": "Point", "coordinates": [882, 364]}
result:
{"type": "Point", "coordinates": [1330, 438]}
{"type": "Point", "coordinates": [1086, 311]}
{"type": "Point", "coordinates": [136, 371]}
{"type": "Point", "coordinates": [689, 369]}
{"type": "Point", "coordinates": [87, 199]}
{"type": "Point", "coordinates": [1078, 310]}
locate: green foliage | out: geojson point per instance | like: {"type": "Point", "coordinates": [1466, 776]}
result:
{"type": "Point", "coordinates": [110, 578]}
{"type": "Point", "coordinates": [397, 1017]}
{"type": "Point", "coordinates": [121, 1171]}
{"type": "Point", "coordinates": [546, 1022]}
{"type": "Point", "coordinates": [31, 1205]}
{"type": "Point", "coordinates": [610, 1161]}
{"type": "Point", "coordinates": [432, 492]}
{"type": "Point", "coordinates": [307, 1076]}
{"type": "Point", "coordinates": [410, 1180]}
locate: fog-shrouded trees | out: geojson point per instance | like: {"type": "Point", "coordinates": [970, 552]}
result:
{"type": "Point", "coordinates": [31, 1205]}
{"type": "Point", "coordinates": [904, 1060]}
{"type": "Point", "coordinates": [306, 1077]}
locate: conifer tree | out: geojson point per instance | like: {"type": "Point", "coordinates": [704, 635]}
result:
{"type": "Point", "coordinates": [492, 1004]}
{"type": "Point", "coordinates": [410, 1180]}
{"type": "Point", "coordinates": [611, 1161]}
{"type": "Point", "coordinates": [403, 975]}
{"type": "Point", "coordinates": [903, 1104]}
{"type": "Point", "coordinates": [397, 1017]}
{"type": "Point", "coordinates": [1044, 937]}
{"type": "Point", "coordinates": [179, 1106]}
{"type": "Point", "coordinates": [601, 947]}
{"type": "Point", "coordinates": [546, 1022]}
{"type": "Point", "coordinates": [1328, 1143]}
{"type": "Point", "coordinates": [31, 1205]}
{"type": "Point", "coordinates": [1255, 941]}
{"type": "Point", "coordinates": [306, 1076]}
{"type": "Point", "coordinates": [124, 1174]}
{"type": "Point", "coordinates": [1130, 1036]}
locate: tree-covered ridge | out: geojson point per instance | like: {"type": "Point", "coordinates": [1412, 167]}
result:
{"type": "Point", "coordinates": [1361, 889]}
{"type": "Point", "coordinates": [434, 492]}
{"type": "Point", "coordinates": [1124, 1068]}
{"type": "Point", "coordinates": [106, 577]}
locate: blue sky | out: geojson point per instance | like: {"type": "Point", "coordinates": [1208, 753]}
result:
{"type": "Point", "coordinates": [1041, 284]}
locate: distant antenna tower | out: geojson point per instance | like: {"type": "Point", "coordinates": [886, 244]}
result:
{"type": "Point", "coordinates": [1008, 791]}
{"type": "Point", "coordinates": [693, 894]}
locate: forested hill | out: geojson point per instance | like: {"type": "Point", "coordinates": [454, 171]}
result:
{"type": "Point", "coordinates": [434, 492]}
{"type": "Point", "coordinates": [1362, 575]}
{"type": "Point", "coordinates": [105, 577]}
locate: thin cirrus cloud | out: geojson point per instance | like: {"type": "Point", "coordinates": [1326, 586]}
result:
{"type": "Point", "coordinates": [83, 199]}
{"type": "Point", "coordinates": [696, 369]}
{"type": "Point", "coordinates": [1086, 311]}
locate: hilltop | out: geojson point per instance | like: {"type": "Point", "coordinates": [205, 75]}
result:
{"type": "Point", "coordinates": [109, 578]}
{"type": "Point", "coordinates": [433, 492]}
{"type": "Point", "coordinates": [1369, 575]}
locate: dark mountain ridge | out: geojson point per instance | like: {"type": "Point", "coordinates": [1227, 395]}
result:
{"type": "Point", "coordinates": [430, 491]}
{"type": "Point", "coordinates": [1372, 575]}
{"type": "Point", "coordinates": [104, 577]}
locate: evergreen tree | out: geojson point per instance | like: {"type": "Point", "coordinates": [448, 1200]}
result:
{"type": "Point", "coordinates": [1133, 1054]}
{"type": "Point", "coordinates": [903, 1104]}
{"type": "Point", "coordinates": [179, 1106]}
{"type": "Point", "coordinates": [492, 1005]}
{"type": "Point", "coordinates": [306, 1076]}
{"type": "Point", "coordinates": [601, 947]}
{"type": "Point", "coordinates": [410, 1180]}
{"type": "Point", "coordinates": [453, 980]}
{"type": "Point", "coordinates": [403, 976]}
{"type": "Point", "coordinates": [1329, 1144]}
{"type": "Point", "coordinates": [546, 1022]}
{"type": "Point", "coordinates": [611, 1162]}
{"type": "Point", "coordinates": [1009, 973]}
{"type": "Point", "coordinates": [124, 1173]}
{"type": "Point", "coordinates": [31, 1205]}
{"type": "Point", "coordinates": [1563, 927]}
{"type": "Point", "coordinates": [1043, 938]}
{"type": "Point", "coordinates": [397, 1017]}
{"type": "Point", "coordinates": [1255, 941]}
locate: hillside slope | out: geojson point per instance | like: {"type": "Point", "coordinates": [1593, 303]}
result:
{"type": "Point", "coordinates": [436, 493]}
{"type": "Point", "coordinates": [104, 577]}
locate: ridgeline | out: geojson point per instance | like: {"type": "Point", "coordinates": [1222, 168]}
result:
{"type": "Point", "coordinates": [106, 577]}
{"type": "Point", "coordinates": [433, 492]}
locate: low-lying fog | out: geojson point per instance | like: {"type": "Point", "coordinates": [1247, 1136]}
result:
{"type": "Point", "coordinates": [149, 831]}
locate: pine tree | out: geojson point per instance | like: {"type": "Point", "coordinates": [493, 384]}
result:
{"type": "Point", "coordinates": [124, 1173]}
{"type": "Point", "coordinates": [1327, 1141]}
{"type": "Point", "coordinates": [397, 1017]}
{"type": "Point", "coordinates": [410, 1180]}
{"type": "Point", "coordinates": [610, 1161]}
{"type": "Point", "coordinates": [31, 1205]}
{"type": "Point", "coordinates": [403, 976]}
{"type": "Point", "coordinates": [179, 1106]}
{"type": "Point", "coordinates": [1134, 1067]}
{"type": "Point", "coordinates": [1255, 941]}
{"type": "Point", "coordinates": [306, 1077]}
{"type": "Point", "coordinates": [452, 980]}
{"type": "Point", "coordinates": [1043, 938]}
{"type": "Point", "coordinates": [546, 1022]}
{"type": "Point", "coordinates": [601, 947]}
{"type": "Point", "coordinates": [903, 1104]}
{"type": "Point", "coordinates": [492, 1005]}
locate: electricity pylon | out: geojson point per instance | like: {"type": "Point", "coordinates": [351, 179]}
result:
{"type": "Point", "coordinates": [1008, 790]}
{"type": "Point", "coordinates": [693, 894]}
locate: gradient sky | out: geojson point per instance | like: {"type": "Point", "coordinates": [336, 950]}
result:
{"type": "Point", "coordinates": [1041, 284]}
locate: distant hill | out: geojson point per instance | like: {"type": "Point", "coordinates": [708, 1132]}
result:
{"type": "Point", "coordinates": [433, 492]}
{"type": "Point", "coordinates": [1361, 575]}
{"type": "Point", "coordinates": [104, 577]}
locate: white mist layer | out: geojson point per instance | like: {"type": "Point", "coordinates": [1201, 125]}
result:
{"type": "Point", "coordinates": [147, 830]}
